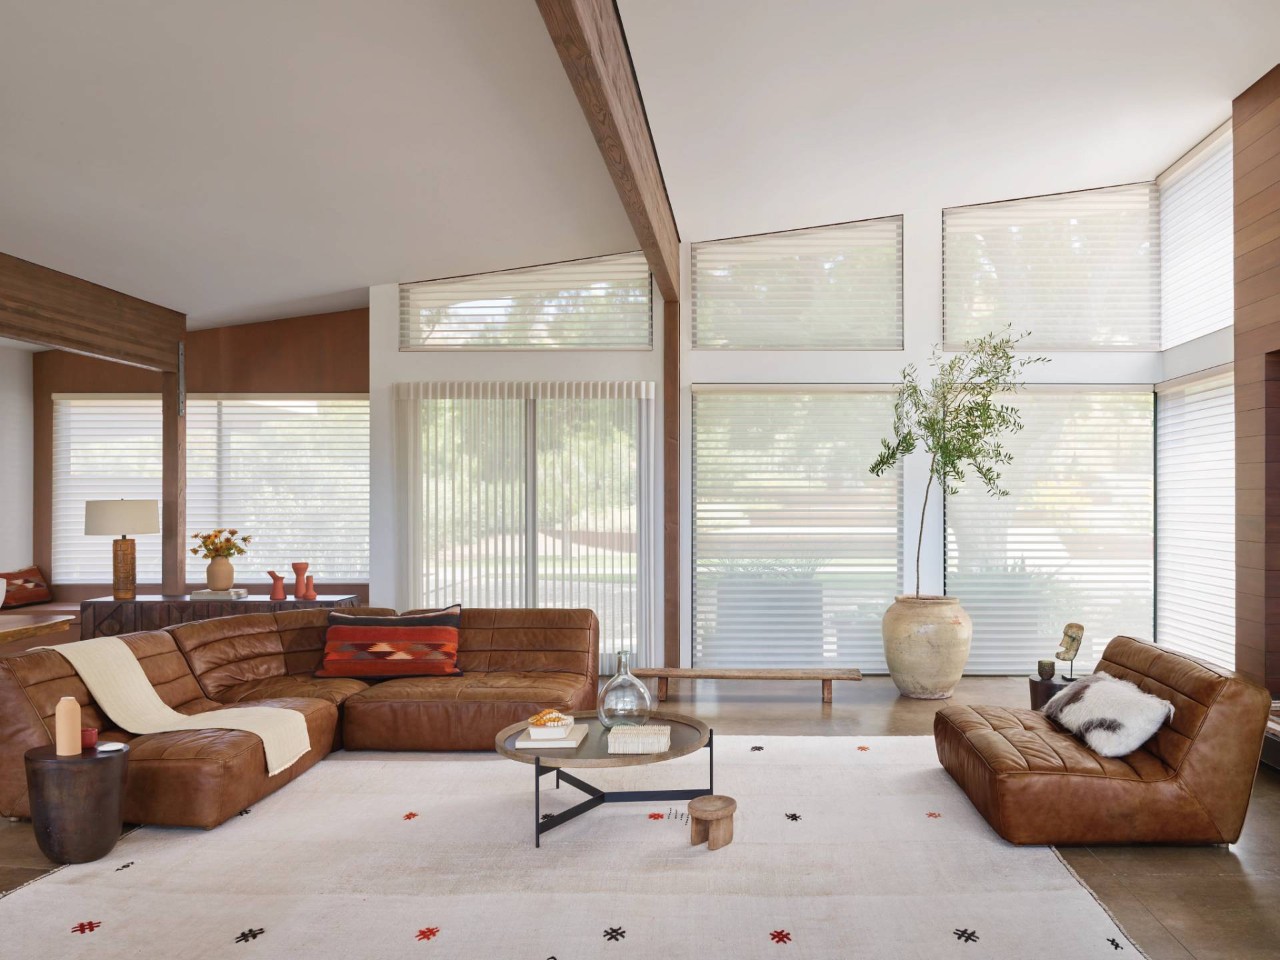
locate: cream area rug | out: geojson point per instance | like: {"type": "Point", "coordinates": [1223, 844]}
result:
{"type": "Point", "coordinates": [843, 848]}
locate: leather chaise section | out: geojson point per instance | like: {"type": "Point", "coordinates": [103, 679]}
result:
{"type": "Point", "coordinates": [1035, 783]}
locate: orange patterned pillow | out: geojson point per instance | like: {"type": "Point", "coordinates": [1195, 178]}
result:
{"type": "Point", "coordinates": [421, 645]}
{"type": "Point", "coordinates": [23, 587]}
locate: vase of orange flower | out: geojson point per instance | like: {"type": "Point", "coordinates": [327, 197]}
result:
{"type": "Point", "coordinates": [218, 547]}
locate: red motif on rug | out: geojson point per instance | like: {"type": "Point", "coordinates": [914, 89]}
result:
{"type": "Point", "coordinates": [86, 926]}
{"type": "Point", "coordinates": [863, 749]}
{"type": "Point", "coordinates": [780, 936]}
{"type": "Point", "coordinates": [656, 816]}
{"type": "Point", "coordinates": [933, 816]}
{"type": "Point", "coordinates": [410, 816]}
{"type": "Point", "coordinates": [428, 933]}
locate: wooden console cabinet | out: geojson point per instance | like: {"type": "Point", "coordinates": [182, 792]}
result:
{"type": "Point", "coordinates": [108, 617]}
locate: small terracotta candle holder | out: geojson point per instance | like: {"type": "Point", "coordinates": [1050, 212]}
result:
{"type": "Point", "coordinates": [88, 738]}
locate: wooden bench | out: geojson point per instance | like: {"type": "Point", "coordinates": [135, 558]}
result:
{"type": "Point", "coordinates": [665, 674]}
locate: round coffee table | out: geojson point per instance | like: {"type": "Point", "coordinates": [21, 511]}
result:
{"type": "Point", "coordinates": [688, 734]}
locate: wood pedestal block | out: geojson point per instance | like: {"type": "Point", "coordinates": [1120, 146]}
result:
{"type": "Point", "coordinates": [711, 821]}
{"type": "Point", "coordinates": [75, 802]}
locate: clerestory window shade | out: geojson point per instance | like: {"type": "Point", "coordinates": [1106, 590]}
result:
{"type": "Point", "coordinates": [1197, 242]}
{"type": "Point", "coordinates": [532, 495]}
{"type": "Point", "coordinates": [797, 548]}
{"type": "Point", "coordinates": [604, 303]}
{"type": "Point", "coordinates": [103, 448]}
{"type": "Point", "coordinates": [1195, 518]}
{"type": "Point", "coordinates": [1071, 542]}
{"type": "Point", "coordinates": [1079, 271]}
{"type": "Point", "coordinates": [293, 472]}
{"type": "Point", "coordinates": [825, 288]}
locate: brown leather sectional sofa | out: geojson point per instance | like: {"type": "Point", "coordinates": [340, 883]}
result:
{"type": "Point", "coordinates": [514, 662]}
{"type": "Point", "coordinates": [1190, 783]}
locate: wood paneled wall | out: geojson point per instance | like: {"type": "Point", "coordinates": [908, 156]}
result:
{"type": "Point", "coordinates": [1256, 134]}
{"type": "Point", "coordinates": [39, 305]}
{"type": "Point", "coordinates": [327, 353]}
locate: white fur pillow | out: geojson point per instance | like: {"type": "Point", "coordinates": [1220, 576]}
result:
{"type": "Point", "coordinates": [1111, 715]}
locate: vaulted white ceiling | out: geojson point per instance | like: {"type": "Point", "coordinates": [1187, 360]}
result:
{"type": "Point", "coordinates": [242, 160]}
{"type": "Point", "coordinates": [772, 115]}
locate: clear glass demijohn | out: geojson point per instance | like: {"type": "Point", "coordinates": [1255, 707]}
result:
{"type": "Point", "coordinates": [624, 699]}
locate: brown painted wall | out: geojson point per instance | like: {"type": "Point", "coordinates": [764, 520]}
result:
{"type": "Point", "coordinates": [326, 353]}
{"type": "Point", "coordinates": [1255, 122]}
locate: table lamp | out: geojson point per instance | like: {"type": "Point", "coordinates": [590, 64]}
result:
{"type": "Point", "coordinates": [119, 518]}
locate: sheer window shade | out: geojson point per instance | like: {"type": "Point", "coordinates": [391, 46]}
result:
{"type": "Point", "coordinates": [1197, 242]}
{"type": "Point", "coordinates": [797, 548]}
{"type": "Point", "coordinates": [532, 494]}
{"type": "Point", "coordinates": [1079, 271]}
{"type": "Point", "coordinates": [826, 288]}
{"type": "Point", "coordinates": [1195, 518]}
{"type": "Point", "coordinates": [1071, 542]}
{"type": "Point", "coordinates": [103, 448]}
{"type": "Point", "coordinates": [604, 303]}
{"type": "Point", "coordinates": [291, 472]}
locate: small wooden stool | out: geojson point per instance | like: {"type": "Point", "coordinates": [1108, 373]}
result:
{"type": "Point", "coordinates": [711, 821]}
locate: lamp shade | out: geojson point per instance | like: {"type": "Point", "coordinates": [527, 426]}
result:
{"type": "Point", "coordinates": [116, 518]}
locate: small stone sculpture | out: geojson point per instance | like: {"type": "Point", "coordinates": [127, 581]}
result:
{"type": "Point", "coordinates": [1072, 635]}
{"type": "Point", "coordinates": [277, 585]}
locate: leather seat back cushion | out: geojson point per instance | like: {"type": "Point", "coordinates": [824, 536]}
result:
{"type": "Point", "coordinates": [539, 641]}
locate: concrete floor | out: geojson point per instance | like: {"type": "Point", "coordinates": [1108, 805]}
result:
{"type": "Point", "coordinates": [1208, 903]}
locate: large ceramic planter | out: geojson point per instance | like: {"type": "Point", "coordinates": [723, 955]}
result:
{"type": "Point", "coordinates": [926, 643]}
{"type": "Point", "coordinates": [220, 574]}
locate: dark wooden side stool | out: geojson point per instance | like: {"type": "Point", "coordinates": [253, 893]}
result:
{"type": "Point", "coordinates": [1042, 691]}
{"type": "Point", "coordinates": [75, 802]}
{"type": "Point", "coordinates": [711, 821]}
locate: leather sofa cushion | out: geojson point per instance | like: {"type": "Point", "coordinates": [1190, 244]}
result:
{"type": "Point", "coordinates": [200, 778]}
{"type": "Point", "coordinates": [455, 713]}
{"type": "Point", "coordinates": [335, 690]}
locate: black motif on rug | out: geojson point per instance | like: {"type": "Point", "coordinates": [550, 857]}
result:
{"type": "Point", "coordinates": [615, 933]}
{"type": "Point", "coordinates": [965, 936]}
{"type": "Point", "coordinates": [124, 866]}
{"type": "Point", "coordinates": [1114, 943]}
{"type": "Point", "coordinates": [546, 816]}
{"type": "Point", "coordinates": [756, 749]}
{"type": "Point", "coordinates": [245, 812]}
{"type": "Point", "coordinates": [794, 817]}
{"type": "Point", "coordinates": [253, 933]}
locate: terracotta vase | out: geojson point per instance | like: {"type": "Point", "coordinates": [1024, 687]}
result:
{"type": "Point", "coordinates": [926, 644]}
{"type": "Point", "coordinates": [300, 584]}
{"type": "Point", "coordinates": [311, 587]}
{"type": "Point", "coordinates": [277, 585]}
{"type": "Point", "coordinates": [220, 574]}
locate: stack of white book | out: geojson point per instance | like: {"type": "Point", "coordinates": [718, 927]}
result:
{"type": "Point", "coordinates": [651, 738]}
{"type": "Point", "coordinates": [235, 593]}
{"type": "Point", "coordinates": [572, 736]}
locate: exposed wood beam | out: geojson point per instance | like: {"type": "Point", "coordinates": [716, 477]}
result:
{"type": "Point", "coordinates": [588, 36]}
{"type": "Point", "coordinates": [173, 467]}
{"type": "Point", "coordinates": [39, 305]}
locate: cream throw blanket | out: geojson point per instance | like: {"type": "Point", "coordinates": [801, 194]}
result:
{"type": "Point", "coordinates": [121, 688]}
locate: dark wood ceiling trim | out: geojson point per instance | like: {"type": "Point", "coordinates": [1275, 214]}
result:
{"type": "Point", "coordinates": [588, 36]}
{"type": "Point", "coordinates": [39, 305]}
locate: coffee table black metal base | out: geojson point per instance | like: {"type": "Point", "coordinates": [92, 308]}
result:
{"type": "Point", "coordinates": [596, 796]}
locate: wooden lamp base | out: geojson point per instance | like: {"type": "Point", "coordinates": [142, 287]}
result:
{"type": "Point", "coordinates": [124, 569]}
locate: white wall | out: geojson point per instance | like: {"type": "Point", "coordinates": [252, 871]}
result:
{"type": "Point", "coordinates": [388, 366]}
{"type": "Point", "coordinates": [16, 411]}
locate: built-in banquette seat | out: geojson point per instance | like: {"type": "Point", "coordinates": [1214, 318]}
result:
{"type": "Point", "coordinates": [514, 663]}
{"type": "Point", "coordinates": [195, 778]}
{"type": "Point", "coordinates": [1035, 783]}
